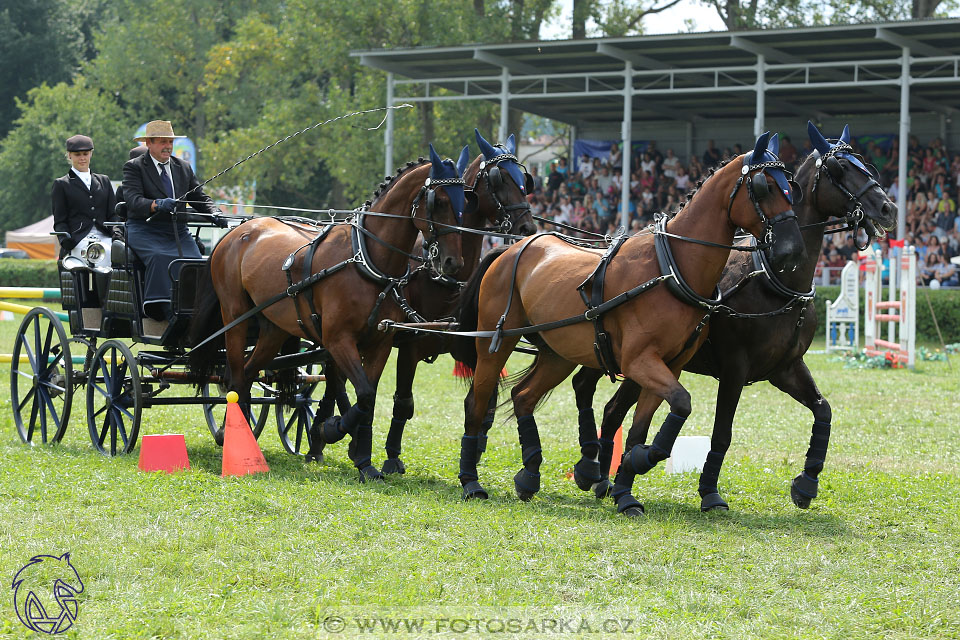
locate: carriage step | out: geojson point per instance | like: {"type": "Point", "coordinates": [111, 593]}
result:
{"type": "Point", "coordinates": [154, 328]}
{"type": "Point", "coordinates": [91, 318]}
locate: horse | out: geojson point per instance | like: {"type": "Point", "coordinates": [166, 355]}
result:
{"type": "Point", "coordinates": [532, 288]}
{"type": "Point", "coordinates": [501, 185]}
{"type": "Point", "coordinates": [329, 287]}
{"type": "Point", "coordinates": [765, 339]}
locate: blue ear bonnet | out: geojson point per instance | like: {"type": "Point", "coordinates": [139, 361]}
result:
{"type": "Point", "coordinates": [447, 170]}
{"type": "Point", "coordinates": [840, 148]}
{"type": "Point", "coordinates": [511, 167]}
{"type": "Point", "coordinates": [768, 154]}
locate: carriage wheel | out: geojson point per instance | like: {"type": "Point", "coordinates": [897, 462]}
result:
{"type": "Point", "coordinates": [294, 418]}
{"type": "Point", "coordinates": [215, 414]}
{"type": "Point", "coordinates": [41, 389]}
{"type": "Point", "coordinates": [114, 400]}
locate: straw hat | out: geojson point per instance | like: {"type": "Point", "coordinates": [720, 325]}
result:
{"type": "Point", "coordinates": [158, 129]}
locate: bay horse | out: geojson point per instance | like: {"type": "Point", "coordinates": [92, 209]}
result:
{"type": "Point", "coordinates": [501, 185]}
{"type": "Point", "coordinates": [768, 344]}
{"type": "Point", "coordinates": [651, 331]}
{"type": "Point", "coordinates": [338, 286]}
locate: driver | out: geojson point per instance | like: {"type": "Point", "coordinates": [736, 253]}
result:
{"type": "Point", "coordinates": [155, 185]}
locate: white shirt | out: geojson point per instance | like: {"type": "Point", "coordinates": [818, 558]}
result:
{"type": "Point", "coordinates": [83, 175]}
{"type": "Point", "coordinates": [166, 169]}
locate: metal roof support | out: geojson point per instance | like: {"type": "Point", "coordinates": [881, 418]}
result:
{"type": "Point", "coordinates": [761, 88]}
{"type": "Point", "coordinates": [688, 148]}
{"type": "Point", "coordinates": [504, 103]}
{"type": "Point", "coordinates": [902, 154]}
{"type": "Point", "coordinates": [626, 143]}
{"type": "Point", "coordinates": [388, 132]}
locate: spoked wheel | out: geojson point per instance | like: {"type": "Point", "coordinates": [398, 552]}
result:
{"type": "Point", "coordinates": [41, 389]}
{"type": "Point", "coordinates": [114, 399]}
{"type": "Point", "coordinates": [215, 414]}
{"type": "Point", "coordinates": [295, 417]}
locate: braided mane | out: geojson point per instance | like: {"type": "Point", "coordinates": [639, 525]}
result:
{"type": "Point", "coordinates": [389, 181]}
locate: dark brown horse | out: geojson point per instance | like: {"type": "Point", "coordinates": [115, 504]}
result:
{"type": "Point", "coordinates": [651, 334]}
{"type": "Point", "coordinates": [768, 346]}
{"type": "Point", "coordinates": [343, 281]}
{"type": "Point", "coordinates": [501, 186]}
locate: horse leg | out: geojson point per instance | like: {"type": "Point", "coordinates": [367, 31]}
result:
{"type": "Point", "coordinates": [235, 341]}
{"type": "Point", "coordinates": [486, 377]}
{"type": "Point", "coordinates": [587, 472]}
{"type": "Point", "coordinates": [614, 413]}
{"type": "Point", "coordinates": [797, 381]}
{"type": "Point", "coordinates": [358, 420]}
{"type": "Point", "coordinates": [728, 397]}
{"type": "Point", "coordinates": [487, 424]}
{"type": "Point", "coordinates": [334, 396]}
{"type": "Point", "coordinates": [656, 378]}
{"type": "Point", "coordinates": [547, 372]}
{"type": "Point", "coordinates": [402, 407]}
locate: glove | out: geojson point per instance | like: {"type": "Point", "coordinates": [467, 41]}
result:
{"type": "Point", "coordinates": [220, 221]}
{"type": "Point", "coordinates": [166, 205]}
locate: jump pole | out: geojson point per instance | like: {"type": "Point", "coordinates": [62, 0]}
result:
{"type": "Point", "coordinates": [899, 313]}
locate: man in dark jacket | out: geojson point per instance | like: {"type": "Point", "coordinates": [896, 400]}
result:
{"type": "Point", "coordinates": [81, 199]}
{"type": "Point", "coordinates": [155, 185]}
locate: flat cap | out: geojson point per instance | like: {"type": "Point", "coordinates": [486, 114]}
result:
{"type": "Point", "coordinates": [79, 143]}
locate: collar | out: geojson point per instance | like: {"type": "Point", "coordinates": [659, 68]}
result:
{"type": "Point", "coordinates": [85, 176]}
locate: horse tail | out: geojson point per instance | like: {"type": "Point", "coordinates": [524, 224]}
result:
{"type": "Point", "coordinates": [206, 320]}
{"type": "Point", "coordinates": [468, 311]}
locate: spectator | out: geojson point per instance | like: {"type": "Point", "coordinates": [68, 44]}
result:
{"type": "Point", "coordinates": [788, 153]}
{"type": "Point", "coordinates": [616, 156]}
{"type": "Point", "coordinates": [711, 157]}
{"type": "Point", "coordinates": [669, 165]}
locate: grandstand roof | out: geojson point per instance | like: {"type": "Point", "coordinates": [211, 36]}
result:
{"type": "Point", "coordinates": [824, 71]}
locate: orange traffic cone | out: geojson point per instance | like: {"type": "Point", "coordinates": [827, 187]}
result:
{"type": "Point", "coordinates": [165, 452]}
{"type": "Point", "coordinates": [617, 450]}
{"type": "Point", "coordinates": [241, 453]}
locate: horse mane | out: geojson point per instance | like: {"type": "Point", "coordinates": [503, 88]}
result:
{"type": "Point", "coordinates": [693, 191]}
{"type": "Point", "coordinates": [389, 181]}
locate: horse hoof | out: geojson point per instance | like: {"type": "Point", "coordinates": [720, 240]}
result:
{"type": "Point", "coordinates": [713, 502]}
{"type": "Point", "coordinates": [602, 489]}
{"type": "Point", "coordinates": [393, 465]}
{"type": "Point", "coordinates": [526, 484]}
{"type": "Point", "coordinates": [370, 474]}
{"type": "Point", "coordinates": [803, 490]}
{"type": "Point", "coordinates": [218, 437]}
{"type": "Point", "coordinates": [330, 431]}
{"type": "Point", "coordinates": [633, 512]}
{"type": "Point", "coordinates": [586, 474]}
{"type": "Point", "coordinates": [314, 457]}
{"type": "Point", "coordinates": [474, 491]}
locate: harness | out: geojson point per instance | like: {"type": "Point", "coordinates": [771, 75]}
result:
{"type": "Point", "coordinates": [490, 170]}
{"type": "Point", "coordinates": [829, 164]}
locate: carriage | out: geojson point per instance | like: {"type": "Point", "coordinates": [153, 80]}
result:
{"type": "Point", "coordinates": [102, 295]}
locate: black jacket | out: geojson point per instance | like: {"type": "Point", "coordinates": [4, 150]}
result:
{"type": "Point", "coordinates": [77, 209]}
{"type": "Point", "coordinates": [141, 186]}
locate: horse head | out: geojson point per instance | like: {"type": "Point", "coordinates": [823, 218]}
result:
{"type": "Point", "coordinates": [846, 186]}
{"type": "Point", "coordinates": [444, 201]}
{"type": "Point", "coordinates": [761, 202]}
{"type": "Point", "coordinates": [501, 185]}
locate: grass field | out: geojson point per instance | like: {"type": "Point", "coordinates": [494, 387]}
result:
{"type": "Point", "coordinates": [306, 551]}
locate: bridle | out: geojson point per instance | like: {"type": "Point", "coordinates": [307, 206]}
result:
{"type": "Point", "coordinates": [758, 190]}
{"type": "Point", "coordinates": [428, 195]}
{"type": "Point", "coordinates": [829, 164]}
{"type": "Point", "coordinates": [491, 172]}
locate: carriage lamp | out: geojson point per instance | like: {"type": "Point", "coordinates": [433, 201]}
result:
{"type": "Point", "coordinates": [91, 254]}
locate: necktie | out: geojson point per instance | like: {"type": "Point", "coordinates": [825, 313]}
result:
{"type": "Point", "coordinates": [165, 180]}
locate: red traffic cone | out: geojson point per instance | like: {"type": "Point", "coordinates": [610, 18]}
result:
{"type": "Point", "coordinates": [241, 453]}
{"type": "Point", "coordinates": [165, 452]}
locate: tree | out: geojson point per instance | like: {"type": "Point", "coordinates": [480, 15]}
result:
{"type": "Point", "coordinates": [39, 42]}
{"type": "Point", "coordinates": [614, 18]}
{"type": "Point", "coordinates": [33, 154]}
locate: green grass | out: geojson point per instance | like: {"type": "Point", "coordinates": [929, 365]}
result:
{"type": "Point", "coordinates": [283, 554]}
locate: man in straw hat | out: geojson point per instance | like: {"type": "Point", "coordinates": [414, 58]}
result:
{"type": "Point", "coordinates": [155, 185]}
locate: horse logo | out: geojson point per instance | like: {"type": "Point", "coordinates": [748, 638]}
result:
{"type": "Point", "coordinates": [32, 587]}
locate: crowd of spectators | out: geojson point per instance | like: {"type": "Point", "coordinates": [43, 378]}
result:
{"type": "Point", "coordinates": [588, 197]}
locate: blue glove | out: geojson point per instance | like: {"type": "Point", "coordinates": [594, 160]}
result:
{"type": "Point", "coordinates": [166, 205]}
